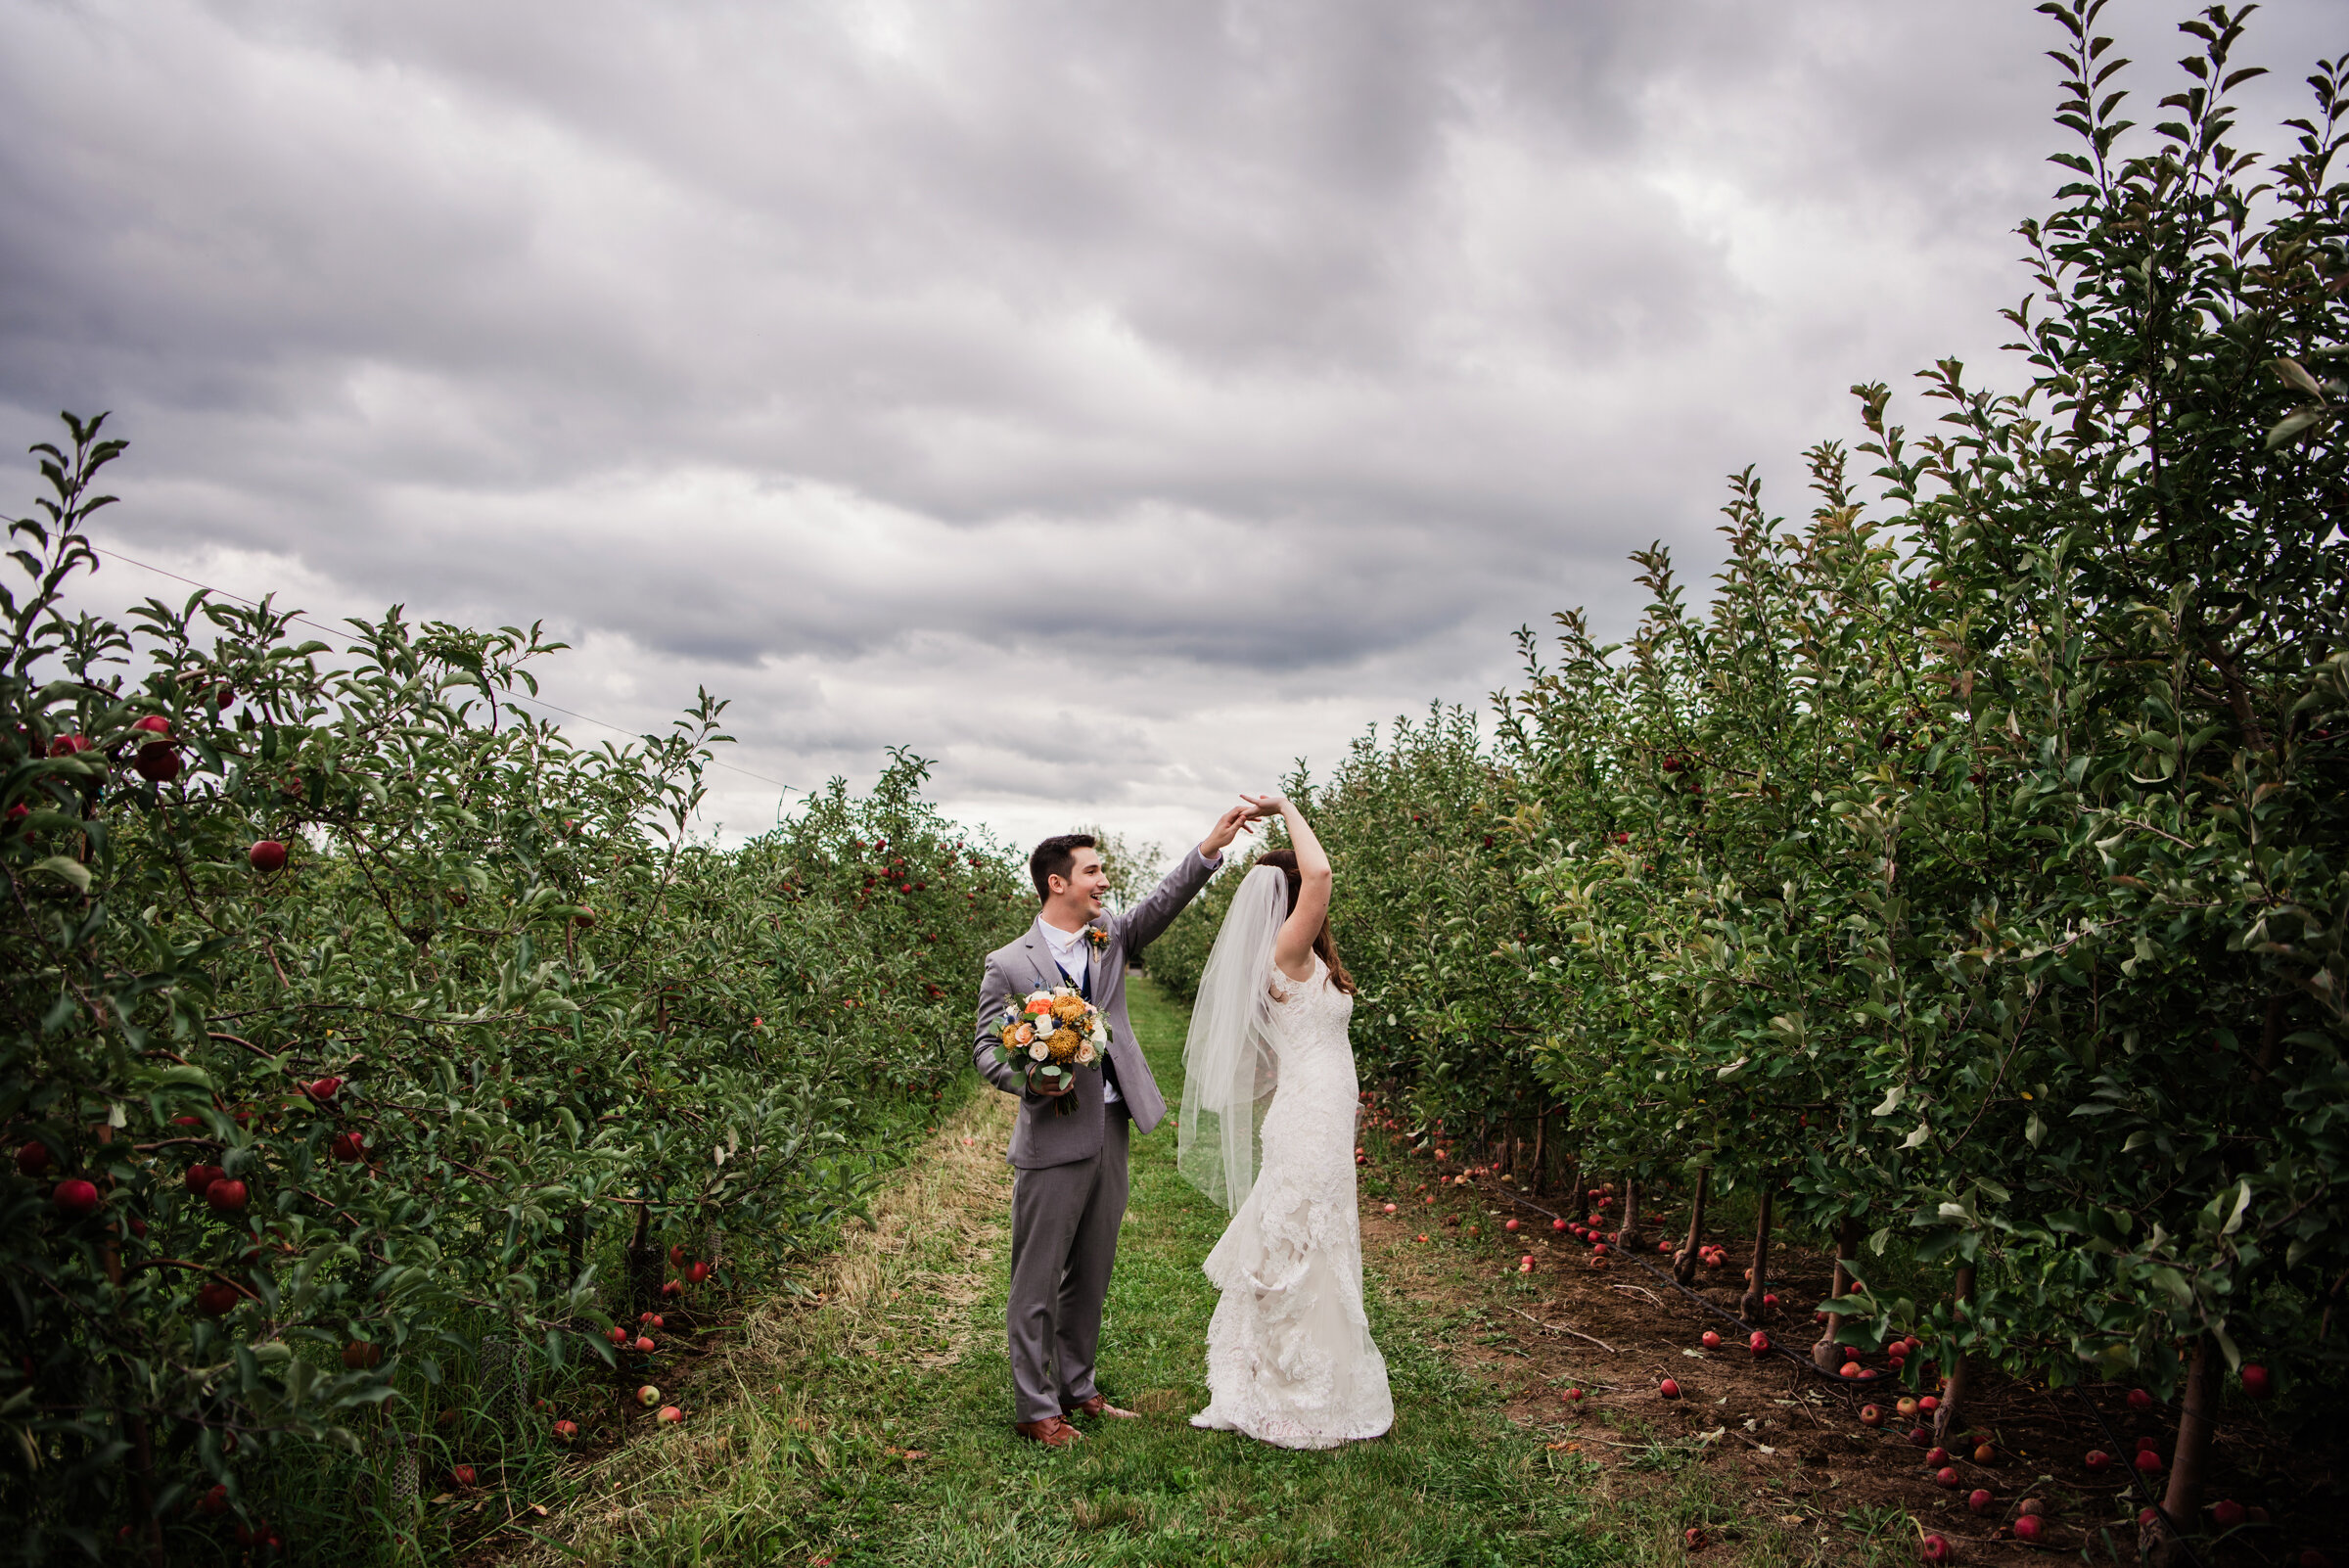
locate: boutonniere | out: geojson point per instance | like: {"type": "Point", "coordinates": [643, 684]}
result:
{"type": "Point", "coordinates": [1099, 937]}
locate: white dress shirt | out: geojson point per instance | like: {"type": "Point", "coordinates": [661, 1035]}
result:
{"type": "Point", "coordinates": [1070, 951]}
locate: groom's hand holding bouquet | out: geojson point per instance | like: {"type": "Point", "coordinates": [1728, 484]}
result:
{"type": "Point", "coordinates": [1051, 1034]}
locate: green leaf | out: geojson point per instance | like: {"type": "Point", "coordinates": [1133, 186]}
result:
{"type": "Point", "coordinates": [67, 868]}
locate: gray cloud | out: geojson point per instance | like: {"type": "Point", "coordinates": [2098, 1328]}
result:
{"type": "Point", "coordinates": [1223, 377]}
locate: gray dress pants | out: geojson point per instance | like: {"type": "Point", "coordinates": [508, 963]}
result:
{"type": "Point", "coordinates": [1063, 1243]}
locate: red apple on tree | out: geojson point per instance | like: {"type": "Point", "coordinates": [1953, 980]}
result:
{"type": "Point", "coordinates": [158, 761]}
{"type": "Point", "coordinates": [226, 1196]}
{"type": "Point", "coordinates": [202, 1176]}
{"type": "Point", "coordinates": [217, 1298]}
{"type": "Point", "coordinates": [34, 1158]}
{"type": "Point", "coordinates": [2255, 1380]}
{"type": "Point", "coordinates": [267, 856]}
{"type": "Point", "coordinates": [75, 1198]}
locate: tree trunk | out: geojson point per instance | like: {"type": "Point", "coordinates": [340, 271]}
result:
{"type": "Point", "coordinates": [142, 1470]}
{"type": "Point", "coordinates": [643, 1264]}
{"type": "Point", "coordinates": [1953, 1396]}
{"type": "Point", "coordinates": [1541, 1171]}
{"type": "Point", "coordinates": [1684, 1264]}
{"type": "Point", "coordinates": [1628, 1239]}
{"type": "Point", "coordinates": [2182, 1501]}
{"type": "Point", "coordinates": [1826, 1355]}
{"type": "Point", "coordinates": [1750, 1308]}
{"type": "Point", "coordinates": [574, 1243]}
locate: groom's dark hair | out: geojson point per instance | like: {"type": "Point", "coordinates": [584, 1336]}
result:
{"type": "Point", "coordinates": [1053, 858]}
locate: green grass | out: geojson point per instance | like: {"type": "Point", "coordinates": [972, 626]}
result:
{"type": "Point", "coordinates": [804, 1467]}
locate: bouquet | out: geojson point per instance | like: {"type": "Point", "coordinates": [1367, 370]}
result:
{"type": "Point", "coordinates": [1051, 1033]}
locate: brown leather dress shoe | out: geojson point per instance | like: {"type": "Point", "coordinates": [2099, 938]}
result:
{"type": "Point", "coordinates": [1052, 1432]}
{"type": "Point", "coordinates": [1097, 1406]}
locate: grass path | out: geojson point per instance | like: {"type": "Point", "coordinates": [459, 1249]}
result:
{"type": "Point", "coordinates": [873, 1426]}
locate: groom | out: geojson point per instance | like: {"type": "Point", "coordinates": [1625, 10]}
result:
{"type": "Point", "coordinates": [1069, 1194]}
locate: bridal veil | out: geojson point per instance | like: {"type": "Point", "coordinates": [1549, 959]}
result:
{"type": "Point", "coordinates": [1230, 1068]}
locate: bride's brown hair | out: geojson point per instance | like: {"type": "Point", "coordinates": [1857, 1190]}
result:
{"type": "Point", "coordinates": [1325, 943]}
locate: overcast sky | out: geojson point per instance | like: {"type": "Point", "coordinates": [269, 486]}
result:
{"type": "Point", "coordinates": [1113, 402]}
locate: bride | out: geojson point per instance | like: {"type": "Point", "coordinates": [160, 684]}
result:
{"type": "Point", "coordinates": [1289, 1356]}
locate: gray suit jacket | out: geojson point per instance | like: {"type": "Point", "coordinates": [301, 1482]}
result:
{"type": "Point", "coordinates": [1042, 1137]}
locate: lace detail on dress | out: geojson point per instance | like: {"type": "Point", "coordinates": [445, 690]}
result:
{"type": "Point", "coordinates": [1289, 1355]}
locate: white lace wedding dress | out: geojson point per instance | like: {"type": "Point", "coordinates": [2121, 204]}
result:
{"type": "Point", "coordinates": [1289, 1355]}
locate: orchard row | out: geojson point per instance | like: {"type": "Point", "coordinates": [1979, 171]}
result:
{"type": "Point", "coordinates": [1964, 884]}
{"type": "Point", "coordinates": [367, 1045]}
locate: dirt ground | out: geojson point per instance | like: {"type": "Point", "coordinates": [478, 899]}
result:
{"type": "Point", "coordinates": [1617, 1332]}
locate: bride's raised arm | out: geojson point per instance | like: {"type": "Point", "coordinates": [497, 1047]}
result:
{"type": "Point", "coordinates": [1293, 948]}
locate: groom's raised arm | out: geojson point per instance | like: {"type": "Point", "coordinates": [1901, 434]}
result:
{"type": "Point", "coordinates": [1151, 915]}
